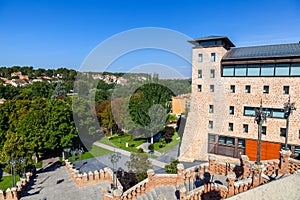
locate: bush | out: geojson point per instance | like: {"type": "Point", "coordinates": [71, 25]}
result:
{"type": "Point", "coordinates": [172, 167]}
{"type": "Point", "coordinates": [151, 147]}
{"type": "Point", "coordinates": [140, 150]}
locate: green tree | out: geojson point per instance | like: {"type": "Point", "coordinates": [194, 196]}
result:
{"type": "Point", "coordinates": [139, 164]}
{"type": "Point", "coordinates": [172, 167]}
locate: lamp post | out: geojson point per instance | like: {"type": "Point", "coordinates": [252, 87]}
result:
{"type": "Point", "coordinates": [22, 161]}
{"type": "Point", "coordinates": [260, 117]}
{"type": "Point", "coordinates": [12, 162]}
{"type": "Point", "coordinates": [114, 158]}
{"type": "Point", "coordinates": [80, 151]}
{"type": "Point", "coordinates": [288, 108]}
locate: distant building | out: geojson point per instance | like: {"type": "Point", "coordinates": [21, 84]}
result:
{"type": "Point", "coordinates": [181, 103]}
{"type": "Point", "coordinates": [228, 84]}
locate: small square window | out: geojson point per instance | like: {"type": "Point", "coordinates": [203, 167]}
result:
{"type": "Point", "coordinates": [264, 130]}
{"type": "Point", "coordinates": [286, 89]}
{"type": "Point", "coordinates": [212, 73]}
{"type": "Point", "coordinates": [211, 138]}
{"type": "Point", "coordinates": [241, 142]}
{"type": "Point", "coordinates": [211, 108]}
{"type": "Point", "coordinates": [231, 110]}
{"type": "Point", "coordinates": [212, 88]}
{"type": "Point", "coordinates": [213, 57]}
{"type": "Point", "coordinates": [247, 89]}
{"type": "Point", "coordinates": [245, 128]}
{"type": "Point", "coordinates": [199, 73]}
{"type": "Point", "coordinates": [266, 89]}
{"type": "Point", "coordinates": [232, 89]}
{"type": "Point", "coordinates": [200, 57]}
{"type": "Point", "coordinates": [199, 88]}
{"type": "Point", "coordinates": [230, 126]}
{"type": "Point", "coordinates": [282, 132]}
{"type": "Point", "coordinates": [210, 124]}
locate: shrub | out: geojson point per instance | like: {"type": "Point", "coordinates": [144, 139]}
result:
{"type": "Point", "coordinates": [151, 147]}
{"type": "Point", "coordinates": [140, 150]}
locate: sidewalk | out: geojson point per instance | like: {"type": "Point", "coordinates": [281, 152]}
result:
{"type": "Point", "coordinates": [127, 153]}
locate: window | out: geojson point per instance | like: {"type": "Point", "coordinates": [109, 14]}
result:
{"type": "Point", "coordinates": [211, 138]}
{"type": "Point", "coordinates": [282, 70]}
{"type": "Point", "coordinates": [249, 111]}
{"type": "Point", "coordinates": [247, 89]}
{"type": "Point", "coordinates": [212, 73]}
{"type": "Point", "coordinates": [271, 112]}
{"type": "Point", "coordinates": [222, 140]}
{"type": "Point", "coordinates": [212, 88]}
{"type": "Point", "coordinates": [241, 70]}
{"type": "Point", "coordinates": [282, 146]}
{"type": "Point", "coordinates": [199, 88]}
{"type": "Point", "coordinates": [295, 69]}
{"type": "Point", "coordinates": [241, 142]}
{"type": "Point", "coordinates": [230, 140]}
{"type": "Point", "coordinates": [188, 105]}
{"type": "Point", "coordinates": [286, 90]}
{"type": "Point", "coordinates": [199, 73]}
{"type": "Point", "coordinates": [297, 151]}
{"type": "Point", "coordinates": [282, 132]}
{"type": "Point", "coordinates": [253, 70]}
{"type": "Point", "coordinates": [245, 128]}
{"type": "Point", "coordinates": [200, 57]}
{"type": "Point", "coordinates": [210, 124]}
{"type": "Point", "coordinates": [211, 108]}
{"type": "Point", "coordinates": [230, 126]}
{"type": "Point", "coordinates": [266, 89]}
{"type": "Point", "coordinates": [267, 70]}
{"type": "Point", "coordinates": [231, 110]}
{"type": "Point", "coordinates": [213, 57]}
{"type": "Point", "coordinates": [232, 89]}
{"type": "Point", "coordinates": [277, 113]}
{"type": "Point", "coordinates": [228, 71]}
{"type": "Point", "coordinates": [226, 140]}
{"type": "Point", "coordinates": [264, 130]}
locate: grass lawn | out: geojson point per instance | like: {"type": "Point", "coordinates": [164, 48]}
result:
{"type": "Point", "coordinates": [5, 182]}
{"type": "Point", "coordinates": [95, 151]}
{"type": "Point", "coordinates": [168, 146]}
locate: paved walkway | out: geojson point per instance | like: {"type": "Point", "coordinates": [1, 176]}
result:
{"type": "Point", "coordinates": [127, 153]}
{"type": "Point", "coordinates": [54, 183]}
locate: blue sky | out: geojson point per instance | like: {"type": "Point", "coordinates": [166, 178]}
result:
{"type": "Point", "coordinates": [61, 33]}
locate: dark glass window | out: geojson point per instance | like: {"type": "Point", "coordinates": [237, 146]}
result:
{"type": "Point", "coordinates": [267, 70]}
{"type": "Point", "coordinates": [232, 89]}
{"type": "Point", "coordinates": [228, 71]}
{"type": "Point", "coordinates": [282, 132]}
{"type": "Point", "coordinates": [200, 57]}
{"type": "Point", "coordinates": [212, 73]}
{"type": "Point", "coordinates": [277, 113]}
{"type": "Point", "coordinates": [231, 110]}
{"type": "Point", "coordinates": [286, 90]}
{"type": "Point", "coordinates": [264, 130]}
{"type": "Point", "coordinates": [245, 128]}
{"type": "Point", "coordinates": [212, 88]}
{"type": "Point", "coordinates": [247, 89]}
{"type": "Point", "coordinates": [253, 70]}
{"type": "Point", "coordinates": [282, 70]}
{"type": "Point", "coordinates": [199, 73]}
{"type": "Point", "coordinates": [266, 89]}
{"type": "Point", "coordinates": [230, 140]}
{"type": "Point", "coordinates": [230, 126]}
{"type": "Point", "coordinates": [241, 70]}
{"type": "Point", "coordinates": [295, 69]}
{"type": "Point", "coordinates": [213, 57]}
{"type": "Point", "coordinates": [211, 108]}
{"type": "Point", "coordinates": [222, 140]}
{"type": "Point", "coordinates": [241, 142]}
{"type": "Point", "coordinates": [210, 124]}
{"type": "Point", "coordinates": [199, 88]}
{"type": "Point", "coordinates": [297, 150]}
{"type": "Point", "coordinates": [249, 111]}
{"type": "Point", "coordinates": [211, 138]}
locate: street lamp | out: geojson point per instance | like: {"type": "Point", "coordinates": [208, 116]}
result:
{"type": "Point", "coordinates": [288, 107]}
{"type": "Point", "coordinates": [12, 162]}
{"type": "Point", "coordinates": [22, 161]}
{"type": "Point", "coordinates": [114, 158]}
{"type": "Point", "coordinates": [260, 117]}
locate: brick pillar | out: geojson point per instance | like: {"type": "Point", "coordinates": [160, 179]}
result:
{"type": "Point", "coordinates": [284, 161]}
{"type": "Point", "coordinates": [231, 178]}
{"type": "Point", "coordinates": [91, 176]}
{"type": "Point", "coordinates": [1, 195]}
{"type": "Point", "coordinates": [180, 174]}
{"type": "Point", "coordinates": [256, 177]}
{"type": "Point", "coordinates": [212, 164]}
{"type": "Point", "coordinates": [14, 193]}
{"type": "Point", "coordinates": [143, 189]}
{"type": "Point", "coordinates": [246, 166]}
{"type": "Point", "coordinates": [117, 194]}
{"type": "Point", "coordinates": [151, 182]}
{"type": "Point", "coordinates": [8, 194]}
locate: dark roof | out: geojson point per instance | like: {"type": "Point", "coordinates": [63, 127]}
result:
{"type": "Point", "coordinates": [211, 37]}
{"type": "Point", "coordinates": [267, 51]}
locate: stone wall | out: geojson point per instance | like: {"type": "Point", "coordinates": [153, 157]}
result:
{"type": "Point", "coordinates": [16, 192]}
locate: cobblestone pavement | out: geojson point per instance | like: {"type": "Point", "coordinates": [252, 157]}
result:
{"type": "Point", "coordinates": [54, 183]}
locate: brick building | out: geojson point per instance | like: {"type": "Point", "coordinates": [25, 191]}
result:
{"type": "Point", "coordinates": [228, 84]}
